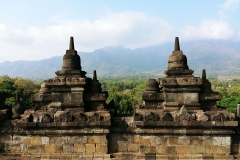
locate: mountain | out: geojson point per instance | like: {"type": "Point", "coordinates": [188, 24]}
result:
{"type": "Point", "coordinates": [217, 57]}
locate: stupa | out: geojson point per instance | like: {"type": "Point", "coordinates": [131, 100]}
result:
{"type": "Point", "coordinates": [69, 97]}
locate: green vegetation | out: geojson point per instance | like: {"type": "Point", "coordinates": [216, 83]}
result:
{"type": "Point", "coordinates": [24, 87]}
{"type": "Point", "coordinates": [122, 90]}
{"type": "Point", "coordinates": [231, 93]}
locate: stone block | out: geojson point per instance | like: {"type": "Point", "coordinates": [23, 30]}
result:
{"type": "Point", "coordinates": [197, 157]}
{"type": "Point", "coordinates": [29, 132]}
{"type": "Point", "coordinates": [90, 148]}
{"type": "Point", "coordinates": [210, 150]}
{"type": "Point", "coordinates": [22, 124]}
{"type": "Point", "coordinates": [54, 132]}
{"type": "Point", "coordinates": [162, 157]}
{"type": "Point", "coordinates": [181, 98]}
{"type": "Point", "coordinates": [65, 156]}
{"type": "Point", "coordinates": [53, 148]}
{"type": "Point", "coordinates": [184, 140]}
{"type": "Point", "coordinates": [39, 132]}
{"type": "Point", "coordinates": [55, 156]}
{"type": "Point", "coordinates": [207, 140]}
{"type": "Point", "coordinates": [171, 97]}
{"type": "Point", "coordinates": [35, 149]}
{"type": "Point", "coordinates": [98, 155]}
{"type": "Point", "coordinates": [226, 141]}
{"type": "Point", "coordinates": [155, 140]}
{"type": "Point", "coordinates": [196, 140]}
{"type": "Point", "coordinates": [79, 148]}
{"type": "Point", "coordinates": [191, 149]}
{"type": "Point", "coordinates": [25, 157]}
{"type": "Point", "coordinates": [66, 132]}
{"type": "Point", "coordinates": [230, 123]}
{"type": "Point", "coordinates": [51, 124]}
{"type": "Point", "coordinates": [217, 141]}
{"type": "Point", "coordinates": [171, 150]}
{"type": "Point", "coordinates": [182, 149]}
{"type": "Point", "coordinates": [103, 140]}
{"type": "Point", "coordinates": [31, 124]}
{"type": "Point", "coordinates": [68, 148]}
{"type": "Point", "coordinates": [45, 140]}
{"type": "Point", "coordinates": [122, 146]}
{"type": "Point", "coordinates": [101, 148]}
{"type": "Point", "coordinates": [172, 140]}
{"type": "Point", "coordinates": [53, 140]}
{"type": "Point", "coordinates": [93, 139]}
{"type": "Point", "coordinates": [62, 140]}
{"type": "Point", "coordinates": [16, 139]}
{"type": "Point", "coordinates": [58, 149]}
{"type": "Point", "coordinates": [164, 140]}
{"type": "Point", "coordinates": [77, 139]}
{"type": "Point", "coordinates": [223, 150]}
{"type": "Point", "coordinates": [129, 138]}
{"type": "Point", "coordinates": [77, 157]}
{"type": "Point", "coordinates": [27, 140]}
{"type": "Point", "coordinates": [15, 148]}
{"type": "Point", "coordinates": [199, 149]}
{"type": "Point", "coordinates": [142, 140]}
{"type": "Point", "coordinates": [36, 140]}
{"type": "Point", "coordinates": [173, 157]}
{"type": "Point", "coordinates": [182, 131]}
{"type": "Point", "coordinates": [210, 157]}
{"type": "Point", "coordinates": [151, 149]}
{"type": "Point", "coordinates": [78, 131]}
{"type": "Point", "coordinates": [190, 98]}
{"type": "Point", "coordinates": [133, 147]}
{"type": "Point", "coordinates": [184, 156]}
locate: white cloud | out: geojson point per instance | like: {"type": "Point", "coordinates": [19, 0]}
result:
{"type": "Point", "coordinates": [229, 5]}
{"type": "Point", "coordinates": [207, 29]}
{"type": "Point", "coordinates": [130, 29]}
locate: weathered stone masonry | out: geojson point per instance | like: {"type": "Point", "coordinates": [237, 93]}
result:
{"type": "Point", "coordinates": [179, 119]}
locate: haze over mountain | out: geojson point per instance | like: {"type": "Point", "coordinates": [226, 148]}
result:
{"type": "Point", "coordinates": [217, 57]}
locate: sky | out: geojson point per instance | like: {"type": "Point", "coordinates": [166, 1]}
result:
{"type": "Point", "coordinates": [34, 30]}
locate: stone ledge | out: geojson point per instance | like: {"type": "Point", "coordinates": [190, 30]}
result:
{"type": "Point", "coordinates": [202, 124]}
{"type": "Point", "coordinates": [61, 156]}
{"type": "Point", "coordinates": [64, 132]}
{"type": "Point", "coordinates": [125, 155]}
{"type": "Point", "coordinates": [64, 125]}
{"type": "Point", "coordinates": [175, 131]}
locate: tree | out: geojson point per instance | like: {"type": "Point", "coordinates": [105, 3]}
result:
{"type": "Point", "coordinates": [24, 87]}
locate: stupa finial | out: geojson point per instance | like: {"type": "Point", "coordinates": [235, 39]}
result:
{"type": "Point", "coordinates": [176, 45]}
{"type": "Point", "coordinates": [204, 74]}
{"type": "Point", "coordinates": [94, 75]}
{"type": "Point", "coordinates": [71, 44]}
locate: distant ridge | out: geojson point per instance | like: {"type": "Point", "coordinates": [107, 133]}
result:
{"type": "Point", "coordinates": [217, 57]}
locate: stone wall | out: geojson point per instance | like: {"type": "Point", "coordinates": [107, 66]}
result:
{"type": "Point", "coordinates": [68, 144]}
{"type": "Point", "coordinates": [183, 147]}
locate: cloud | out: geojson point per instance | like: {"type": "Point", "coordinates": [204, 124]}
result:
{"type": "Point", "coordinates": [207, 29]}
{"type": "Point", "coordinates": [130, 29]}
{"type": "Point", "coordinates": [229, 5]}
